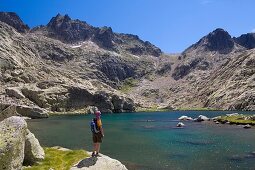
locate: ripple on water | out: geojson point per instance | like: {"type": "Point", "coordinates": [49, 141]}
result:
{"type": "Point", "coordinates": [196, 142]}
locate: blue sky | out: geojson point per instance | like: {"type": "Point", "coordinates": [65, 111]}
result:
{"type": "Point", "coordinates": [172, 25]}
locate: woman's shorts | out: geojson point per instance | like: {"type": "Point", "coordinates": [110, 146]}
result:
{"type": "Point", "coordinates": [97, 137]}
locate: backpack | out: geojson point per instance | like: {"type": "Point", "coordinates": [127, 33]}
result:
{"type": "Point", "coordinates": [93, 126]}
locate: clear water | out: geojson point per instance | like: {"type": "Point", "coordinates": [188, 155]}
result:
{"type": "Point", "coordinates": [151, 140]}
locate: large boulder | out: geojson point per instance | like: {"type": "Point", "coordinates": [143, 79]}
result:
{"type": "Point", "coordinates": [8, 112]}
{"type": "Point", "coordinates": [33, 150]}
{"type": "Point", "coordinates": [12, 142]}
{"type": "Point", "coordinates": [32, 112]}
{"type": "Point", "coordinates": [35, 95]}
{"type": "Point", "coordinates": [118, 103]}
{"type": "Point", "coordinates": [185, 118]}
{"type": "Point", "coordinates": [103, 102]}
{"type": "Point", "coordinates": [129, 105]}
{"type": "Point", "coordinates": [101, 162]}
{"type": "Point", "coordinates": [202, 118]}
{"type": "Point", "coordinates": [14, 92]}
{"type": "Point", "coordinates": [79, 97]}
{"type": "Point", "coordinates": [122, 104]}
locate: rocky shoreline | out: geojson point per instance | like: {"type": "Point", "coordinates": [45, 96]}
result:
{"type": "Point", "coordinates": [235, 118]}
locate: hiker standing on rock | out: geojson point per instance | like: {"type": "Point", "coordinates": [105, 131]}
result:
{"type": "Point", "coordinates": [97, 132]}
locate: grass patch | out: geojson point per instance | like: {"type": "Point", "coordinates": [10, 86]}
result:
{"type": "Point", "coordinates": [128, 84]}
{"type": "Point", "coordinates": [198, 109]}
{"type": "Point", "coordinates": [152, 109]}
{"type": "Point", "coordinates": [237, 119]}
{"type": "Point", "coordinates": [57, 159]}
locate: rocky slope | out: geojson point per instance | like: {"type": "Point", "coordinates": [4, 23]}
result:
{"type": "Point", "coordinates": [44, 67]}
{"type": "Point", "coordinates": [69, 65]}
{"type": "Point", "coordinates": [216, 72]}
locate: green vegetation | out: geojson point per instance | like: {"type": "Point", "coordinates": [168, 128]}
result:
{"type": "Point", "coordinates": [58, 159]}
{"type": "Point", "coordinates": [128, 84]}
{"type": "Point", "coordinates": [154, 108]}
{"type": "Point", "coordinates": [238, 119]}
{"type": "Point", "coordinates": [197, 109]}
{"type": "Point", "coordinates": [72, 112]}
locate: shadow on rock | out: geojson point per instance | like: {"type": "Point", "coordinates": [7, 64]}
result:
{"type": "Point", "coordinates": [87, 162]}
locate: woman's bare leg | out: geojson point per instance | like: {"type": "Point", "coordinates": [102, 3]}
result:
{"type": "Point", "coordinates": [98, 147]}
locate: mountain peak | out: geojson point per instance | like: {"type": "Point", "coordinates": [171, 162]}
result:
{"type": "Point", "coordinates": [246, 40]}
{"type": "Point", "coordinates": [219, 40]}
{"type": "Point", "coordinates": [58, 20]}
{"type": "Point", "coordinates": [14, 20]}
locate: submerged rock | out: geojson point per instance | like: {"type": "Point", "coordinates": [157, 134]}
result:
{"type": "Point", "coordinates": [247, 126]}
{"type": "Point", "coordinates": [180, 124]}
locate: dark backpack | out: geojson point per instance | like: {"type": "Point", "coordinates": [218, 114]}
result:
{"type": "Point", "coordinates": [93, 126]}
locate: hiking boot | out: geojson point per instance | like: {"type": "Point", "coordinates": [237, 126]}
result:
{"type": "Point", "coordinates": [93, 154]}
{"type": "Point", "coordinates": [97, 155]}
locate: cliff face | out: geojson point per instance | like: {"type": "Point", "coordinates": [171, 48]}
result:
{"type": "Point", "coordinates": [70, 65]}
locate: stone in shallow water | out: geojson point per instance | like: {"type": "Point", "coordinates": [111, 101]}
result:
{"type": "Point", "coordinates": [236, 158]}
{"type": "Point", "coordinates": [247, 126]}
{"type": "Point", "coordinates": [202, 118]}
{"type": "Point", "coordinates": [185, 118]}
{"type": "Point", "coordinates": [180, 124]}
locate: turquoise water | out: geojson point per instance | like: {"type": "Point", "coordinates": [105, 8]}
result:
{"type": "Point", "coordinates": [151, 140]}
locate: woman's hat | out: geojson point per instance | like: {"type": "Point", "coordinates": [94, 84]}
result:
{"type": "Point", "coordinates": [98, 113]}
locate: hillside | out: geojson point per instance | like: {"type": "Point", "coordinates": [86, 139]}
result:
{"type": "Point", "coordinates": [69, 65]}
{"type": "Point", "coordinates": [217, 72]}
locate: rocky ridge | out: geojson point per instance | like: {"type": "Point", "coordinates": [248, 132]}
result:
{"type": "Point", "coordinates": [14, 20]}
{"type": "Point", "coordinates": [71, 31]}
{"type": "Point", "coordinates": [69, 65]}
